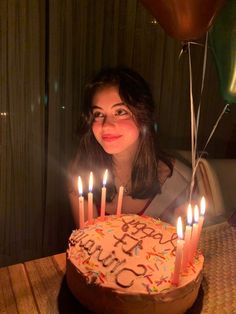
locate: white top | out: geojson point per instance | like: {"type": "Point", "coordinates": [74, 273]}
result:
{"type": "Point", "coordinates": [174, 192]}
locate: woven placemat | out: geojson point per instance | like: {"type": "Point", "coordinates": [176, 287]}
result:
{"type": "Point", "coordinates": [218, 244]}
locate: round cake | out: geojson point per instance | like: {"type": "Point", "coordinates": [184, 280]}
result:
{"type": "Point", "coordinates": [125, 265]}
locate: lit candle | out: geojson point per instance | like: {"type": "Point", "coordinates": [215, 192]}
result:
{"type": "Point", "coordinates": [179, 252]}
{"type": "Point", "coordinates": [194, 238]}
{"type": "Point", "coordinates": [120, 200]}
{"type": "Point", "coordinates": [187, 237]}
{"type": "Point", "coordinates": [81, 203]}
{"type": "Point", "coordinates": [103, 196]}
{"type": "Point", "coordinates": [201, 218]}
{"type": "Point", "coordinates": [90, 199]}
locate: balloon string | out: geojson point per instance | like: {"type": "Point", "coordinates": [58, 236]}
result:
{"type": "Point", "coordinates": [207, 142]}
{"type": "Point", "coordinates": [214, 128]}
{"type": "Point", "coordinates": [194, 43]}
{"type": "Point", "coordinates": [202, 86]}
{"type": "Point", "coordinates": [193, 123]}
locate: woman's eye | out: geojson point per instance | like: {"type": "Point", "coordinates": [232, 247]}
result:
{"type": "Point", "coordinates": [121, 112]}
{"type": "Point", "coordinates": [97, 116]}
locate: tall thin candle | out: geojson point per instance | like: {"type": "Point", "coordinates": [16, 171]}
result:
{"type": "Point", "coordinates": [187, 237]}
{"type": "Point", "coordinates": [201, 218]}
{"type": "Point", "coordinates": [103, 196]}
{"type": "Point", "coordinates": [179, 252]}
{"type": "Point", "coordinates": [120, 200]}
{"type": "Point", "coordinates": [90, 199]}
{"type": "Point", "coordinates": [194, 238]}
{"type": "Point", "coordinates": [81, 203]}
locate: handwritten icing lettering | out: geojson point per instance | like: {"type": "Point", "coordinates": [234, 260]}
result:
{"type": "Point", "coordinates": [128, 243]}
{"type": "Point", "coordinates": [118, 264]}
{"type": "Point", "coordinates": [137, 227]}
{"type": "Point", "coordinates": [80, 242]}
{"type": "Point", "coordinates": [121, 280]}
{"type": "Point", "coordinates": [159, 236]}
{"type": "Point", "coordinates": [76, 237]}
{"type": "Point", "coordinates": [98, 248]}
{"type": "Point", "coordinates": [107, 260]}
{"type": "Point", "coordinates": [126, 224]}
{"type": "Point", "coordinates": [131, 239]}
{"type": "Point", "coordinates": [89, 245]}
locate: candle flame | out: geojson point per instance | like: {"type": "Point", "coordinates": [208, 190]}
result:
{"type": "Point", "coordinates": [105, 177]}
{"type": "Point", "coordinates": [179, 228]}
{"type": "Point", "coordinates": [189, 214]}
{"type": "Point", "coordinates": [90, 182]}
{"type": "Point", "coordinates": [80, 186]}
{"type": "Point", "coordinates": [196, 213]}
{"type": "Point", "coordinates": [203, 205]}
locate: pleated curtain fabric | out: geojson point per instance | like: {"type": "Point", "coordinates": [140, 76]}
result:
{"type": "Point", "coordinates": [49, 49]}
{"type": "Point", "coordinates": [22, 123]}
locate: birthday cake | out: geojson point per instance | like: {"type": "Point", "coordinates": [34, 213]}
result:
{"type": "Point", "coordinates": [125, 265]}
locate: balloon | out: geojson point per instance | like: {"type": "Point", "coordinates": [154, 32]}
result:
{"type": "Point", "coordinates": [184, 19]}
{"type": "Point", "coordinates": [223, 43]}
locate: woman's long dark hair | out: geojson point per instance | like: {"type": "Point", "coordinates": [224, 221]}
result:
{"type": "Point", "coordinates": [90, 156]}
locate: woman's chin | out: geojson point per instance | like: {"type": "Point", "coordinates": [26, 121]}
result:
{"type": "Point", "coordinates": [111, 150]}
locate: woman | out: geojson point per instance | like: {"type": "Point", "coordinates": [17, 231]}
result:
{"type": "Point", "coordinates": [117, 132]}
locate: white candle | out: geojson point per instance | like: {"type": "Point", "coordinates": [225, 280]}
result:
{"type": "Point", "coordinates": [201, 218]}
{"type": "Point", "coordinates": [90, 199]}
{"type": "Point", "coordinates": [103, 196]}
{"type": "Point", "coordinates": [187, 237]}
{"type": "Point", "coordinates": [194, 238]}
{"type": "Point", "coordinates": [120, 200]}
{"type": "Point", "coordinates": [81, 203]}
{"type": "Point", "coordinates": [179, 252]}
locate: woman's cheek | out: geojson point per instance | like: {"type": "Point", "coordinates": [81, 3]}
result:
{"type": "Point", "coordinates": [97, 131]}
{"type": "Point", "coordinates": [95, 128]}
{"type": "Point", "coordinates": [129, 126]}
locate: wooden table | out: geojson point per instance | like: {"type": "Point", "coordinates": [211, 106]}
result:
{"type": "Point", "coordinates": [32, 287]}
{"type": "Point", "coordinates": [39, 286]}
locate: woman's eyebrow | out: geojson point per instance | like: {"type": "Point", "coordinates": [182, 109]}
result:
{"type": "Point", "coordinates": [115, 105]}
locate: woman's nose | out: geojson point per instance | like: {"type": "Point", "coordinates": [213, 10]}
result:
{"type": "Point", "coordinates": [108, 121]}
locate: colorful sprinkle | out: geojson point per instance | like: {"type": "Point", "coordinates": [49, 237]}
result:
{"type": "Point", "coordinates": [156, 266]}
{"type": "Point", "coordinates": [149, 279]}
{"type": "Point", "coordinates": [150, 267]}
{"type": "Point", "coordinates": [100, 277]}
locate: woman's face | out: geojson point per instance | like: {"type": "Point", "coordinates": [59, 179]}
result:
{"type": "Point", "coordinates": [114, 126]}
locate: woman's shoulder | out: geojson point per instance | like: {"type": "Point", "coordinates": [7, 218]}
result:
{"type": "Point", "coordinates": [174, 191]}
{"type": "Point", "coordinates": [164, 172]}
{"type": "Point", "coordinates": [178, 179]}
{"type": "Point", "coordinates": [180, 169]}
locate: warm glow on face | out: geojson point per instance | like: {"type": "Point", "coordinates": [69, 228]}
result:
{"type": "Point", "coordinates": [105, 178]}
{"type": "Point", "coordinates": [179, 228]}
{"type": "Point", "coordinates": [90, 182]}
{"type": "Point", "coordinates": [203, 205]}
{"type": "Point", "coordinates": [196, 213]}
{"type": "Point", "coordinates": [189, 214]}
{"type": "Point", "coordinates": [80, 186]}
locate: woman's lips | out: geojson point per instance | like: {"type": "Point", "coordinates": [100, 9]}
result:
{"type": "Point", "coordinates": [110, 137]}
